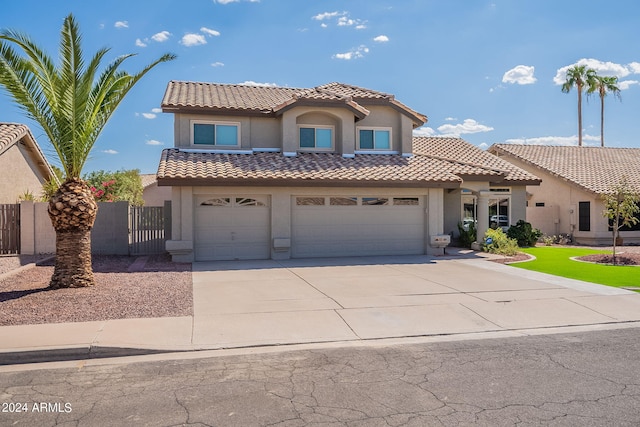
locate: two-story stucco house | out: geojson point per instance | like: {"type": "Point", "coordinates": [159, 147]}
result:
{"type": "Point", "coordinates": [272, 172]}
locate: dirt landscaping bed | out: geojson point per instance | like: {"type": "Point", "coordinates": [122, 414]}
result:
{"type": "Point", "coordinates": [126, 287]}
{"type": "Point", "coordinates": [621, 259]}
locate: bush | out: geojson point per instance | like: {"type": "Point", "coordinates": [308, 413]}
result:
{"type": "Point", "coordinates": [496, 242]}
{"type": "Point", "coordinates": [524, 233]}
{"type": "Point", "coordinates": [468, 236]}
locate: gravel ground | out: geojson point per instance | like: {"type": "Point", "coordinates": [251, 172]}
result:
{"type": "Point", "coordinates": [11, 262]}
{"type": "Point", "coordinates": [157, 288]}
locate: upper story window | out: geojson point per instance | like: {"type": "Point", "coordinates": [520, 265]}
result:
{"type": "Point", "coordinates": [222, 134]}
{"type": "Point", "coordinates": [374, 139]}
{"type": "Point", "coordinates": [316, 137]}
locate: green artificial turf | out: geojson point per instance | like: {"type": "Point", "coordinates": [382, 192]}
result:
{"type": "Point", "coordinates": [557, 261]}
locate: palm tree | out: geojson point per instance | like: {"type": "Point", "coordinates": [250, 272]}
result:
{"type": "Point", "coordinates": [72, 103]}
{"type": "Point", "coordinates": [578, 76]}
{"type": "Point", "coordinates": [602, 85]}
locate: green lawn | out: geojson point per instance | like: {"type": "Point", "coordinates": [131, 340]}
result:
{"type": "Point", "coordinates": [557, 261]}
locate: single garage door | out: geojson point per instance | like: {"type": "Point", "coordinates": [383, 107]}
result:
{"type": "Point", "coordinates": [357, 226]}
{"type": "Point", "coordinates": [231, 228]}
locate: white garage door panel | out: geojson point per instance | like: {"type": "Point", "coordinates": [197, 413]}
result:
{"type": "Point", "coordinates": [232, 231]}
{"type": "Point", "coordinates": [357, 230]}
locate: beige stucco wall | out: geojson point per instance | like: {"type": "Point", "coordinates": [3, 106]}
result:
{"type": "Point", "coordinates": [559, 215]}
{"type": "Point", "coordinates": [181, 246]}
{"type": "Point", "coordinates": [282, 132]}
{"type": "Point", "coordinates": [156, 196]}
{"type": "Point", "coordinates": [18, 174]}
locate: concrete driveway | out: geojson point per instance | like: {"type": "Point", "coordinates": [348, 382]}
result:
{"type": "Point", "coordinates": [251, 303]}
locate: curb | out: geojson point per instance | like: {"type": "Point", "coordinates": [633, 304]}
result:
{"type": "Point", "coordinates": [73, 353]}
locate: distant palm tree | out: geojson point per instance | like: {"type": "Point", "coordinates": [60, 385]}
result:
{"type": "Point", "coordinates": [72, 103]}
{"type": "Point", "coordinates": [578, 76]}
{"type": "Point", "coordinates": [602, 85]}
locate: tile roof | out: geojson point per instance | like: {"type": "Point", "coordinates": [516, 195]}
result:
{"type": "Point", "coordinates": [11, 133]}
{"type": "Point", "coordinates": [460, 151]}
{"type": "Point", "coordinates": [271, 100]}
{"type": "Point", "coordinates": [148, 179]}
{"type": "Point", "coordinates": [189, 167]}
{"type": "Point", "coordinates": [594, 169]}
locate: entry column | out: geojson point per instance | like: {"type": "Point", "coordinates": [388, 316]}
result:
{"type": "Point", "coordinates": [483, 215]}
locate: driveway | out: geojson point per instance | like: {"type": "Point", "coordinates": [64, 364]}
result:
{"type": "Point", "coordinates": [251, 303]}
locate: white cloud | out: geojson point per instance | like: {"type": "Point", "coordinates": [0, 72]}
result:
{"type": "Point", "coordinates": [344, 21]}
{"type": "Point", "coordinates": [140, 43]}
{"type": "Point", "coordinates": [225, 1]}
{"type": "Point", "coordinates": [210, 32]}
{"type": "Point", "coordinates": [381, 39]}
{"type": "Point", "coordinates": [149, 116]}
{"type": "Point", "coordinates": [217, 64]}
{"type": "Point", "coordinates": [450, 119]}
{"type": "Point", "coordinates": [160, 37]}
{"type": "Point", "coordinates": [602, 68]}
{"type": "Point", "coordinates": [252, 83]}
{"type": "Point", "coordinates": [110, 151]}
{"type": "Point", "coordinates": [626, 84]}
{"type": "Point", "coordinates": [361, 27]}
{"type": "Point", "coordinates": [121, 24]}
{"type": "Point", "coordinates": [424, 131]}
{"type": "Point", "coordinates": [467, 126]}
{"type": "Point", "coordinates": [356, 53]}
{"type": "Point", "coordinates": [483, 146]}
{"type": "Point", "coordinates": [521, 74]}
{"type": "Point", "coordinates": [327, 15]}
{"type": "Point", "coordinates": [323, 25]}
{"type": "Point", "coordinates": [193, 39]}
{"type": "Point", "coordinates": [556, 140]}
{"type": "Point", "coordinates": [154, 142]}
{"type": "Point", "coordinates": [156, 110]}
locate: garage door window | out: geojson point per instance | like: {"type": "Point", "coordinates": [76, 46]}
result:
{"type": "Point", "coordinates": [235, 201]}
{"type": "Point", "coordinates": [343, 201]}
{"type": "Point", "coordinates": [375, 201]}
{"type": "Point", "coordinates": [406, 201]}
{"type": "Point", "coordinates": [310, 201]}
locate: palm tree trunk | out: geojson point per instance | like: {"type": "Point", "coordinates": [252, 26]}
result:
{"type": "Point", "coordinates": [579, 116]}
{"type": "Point", "coordinates": [601, 120]}
{"type": "Point", "coordinates": [73, 210]}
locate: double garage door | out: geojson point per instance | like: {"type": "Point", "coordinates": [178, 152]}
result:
{"type": "Point", "coordinates": [239, 227]}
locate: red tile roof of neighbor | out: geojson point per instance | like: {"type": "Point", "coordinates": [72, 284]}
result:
{"type": "Point", "coordinates": [594, 169]}
{"type": "Point", "coordinates": [272, 100]}
{"type": "Point", "coordinates": [446, 169]}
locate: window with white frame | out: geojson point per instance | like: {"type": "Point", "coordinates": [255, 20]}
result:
{"type": "Point", "coordinates": [221, 134]}
{"type": "Point", "coordinates": [374, 138]}
{"type": "Point", "coordinates": [314, 137]}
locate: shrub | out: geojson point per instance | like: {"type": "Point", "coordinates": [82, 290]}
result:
{"type": "Point", "coordinates": [548, 240]}
{"type": "Point", "coordinates": [468, 236]}
{"type": "Point", "coordinates": [496, 242]}
{"type": "Point", "coordinates": [524, 233]}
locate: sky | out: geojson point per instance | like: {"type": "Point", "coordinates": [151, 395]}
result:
{"type": "Point", "coordinates": [486, 71]}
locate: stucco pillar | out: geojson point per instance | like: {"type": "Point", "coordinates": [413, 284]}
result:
{"type": "Point", "coordinates": [435, 218]}
{"type": "Point", "coordinates": [483, 215]}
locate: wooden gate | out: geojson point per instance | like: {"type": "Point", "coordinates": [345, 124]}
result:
{"type": "Point", "coordinates": [10, 229]}
{"type": "Point", "coordinates": [149, 231]}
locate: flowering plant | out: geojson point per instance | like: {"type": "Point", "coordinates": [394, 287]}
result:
{"type": "Point", "coordinates": [102, 193]}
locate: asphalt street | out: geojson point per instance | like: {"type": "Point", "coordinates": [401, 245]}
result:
{"type": "Point", "coordinates": [578, 379]}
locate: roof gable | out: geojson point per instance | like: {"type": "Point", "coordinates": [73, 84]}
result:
{"type": "Point", "coordinates": [12, 133]}
{"type": "Point", "coordinates": [272, 100]}
{"type": "Point", "coordinates": [594, 169]}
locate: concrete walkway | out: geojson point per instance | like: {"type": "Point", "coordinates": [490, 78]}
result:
{"type": "Point", "coordinates": [258, 303]}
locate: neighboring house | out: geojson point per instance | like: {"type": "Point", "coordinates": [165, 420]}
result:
{"type": "Point", "coordinates": [271, 172]}
{"type": "Point", "coordinates": [151, 193]}
{"type": "Point", "coordinates": [573, 180]}
{"type": "Point", "coordinates": [23, 166]}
